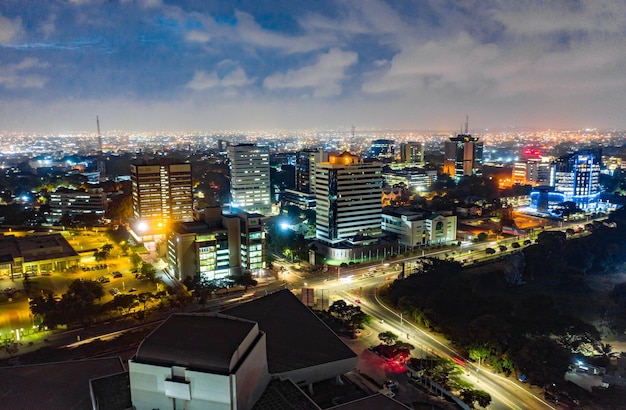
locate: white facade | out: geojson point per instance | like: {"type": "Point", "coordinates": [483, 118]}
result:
{"type": "Point", "coordinates": [160, 386]}
{"type": "Point", "coordinates": [418, 228]}
{"type": "Point", "coordinates": [250, 178]}
{"type": "Point", "coordinates": [348, 194]}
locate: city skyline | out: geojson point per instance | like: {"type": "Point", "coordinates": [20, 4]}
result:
{"type": "Point", "coordinates": [184, 66]}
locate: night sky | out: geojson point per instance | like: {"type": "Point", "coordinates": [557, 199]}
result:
{"type": "Point", "coordinates": [261, 65]}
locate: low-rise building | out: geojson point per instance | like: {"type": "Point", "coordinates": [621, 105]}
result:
{"type": "Point", "coordinates": [219, 246]}
{"type": "Point", "coordinates": [417, 228]}
{"type": "Point", "coordinates": [35, 254]}
{"type": "Point", "coordinates": [72, 202]}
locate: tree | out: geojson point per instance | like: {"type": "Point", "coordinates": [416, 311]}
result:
{"type": "Point", "coordinates": [473, 397]}
{"type": "Point", "coordinates": [149, 271]}
{"type": "Point", "coordinates": [482, 237]}
{"type": "Point", "coordinates": [107, 248]}
{"type": "Point", "coordinates": [135, 259]}
{"type": "Point", "coordinates": [244, 280]}
{"type": "Point", "coordinates": [388, 338]}
{"type": "Point", "coordinates": [351, 316]}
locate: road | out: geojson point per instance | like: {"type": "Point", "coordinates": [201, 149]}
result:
{"type": "Point", "coordinates": [505, 392]}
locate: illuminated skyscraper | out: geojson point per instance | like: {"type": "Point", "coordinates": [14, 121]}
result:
{"type": "Point", "coordinates": [348, 195]}
{"type": "Point", "coordinates": [162, 194]}
{"type": "Point", "coordinates": [577, 177]}
{"type": "Point", "coordinates": [250, 178]}
{"type": "Point", "coordinates": [463, 156]}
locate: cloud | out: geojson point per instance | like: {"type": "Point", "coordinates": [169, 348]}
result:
{"type": "Point", "coordinates": [324, 77]}
{"type": "Point", "coordinates": [14, 77]}
{"type": "Point", "coordinates": [203, 80]}
{"type": "Point", "coordinates": [252, 33]}
{"type": "Point", "coordinates": [197, 36]}
{"type": "Point", "coordinates": [454, 64]}
{"type": "Point", "coordinates": [10, 30]}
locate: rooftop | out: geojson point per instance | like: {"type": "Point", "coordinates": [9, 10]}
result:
{"type": "Point", "coordinates": [196, 341]}
{"type": "Point", "coordinates": [296, 337]}
{"type": "Point", "coordinates": [53, 385]}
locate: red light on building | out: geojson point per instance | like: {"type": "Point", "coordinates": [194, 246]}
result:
{"type": "Point", "coordinates": [532, 152]}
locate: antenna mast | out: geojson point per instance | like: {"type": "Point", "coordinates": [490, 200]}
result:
{"type": "Point", "coordinates": [467, 124]}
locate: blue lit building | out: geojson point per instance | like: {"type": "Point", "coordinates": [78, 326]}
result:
{"type": "Point", "coordinates": [573, 178]}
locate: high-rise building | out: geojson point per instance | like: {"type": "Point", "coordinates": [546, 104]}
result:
{"type": "Point", "coordinates": [250, 178]}
{"type": "Point", "coordinates": [412, 153]}
{"type": "Point", "coordinates": [305, 168]}
{"type": "Point", "coordinates": [304, 195]}
{"type": "Point", "coordinates": [162, 194]}
{"type": "Point", "coordinates": [348, 195]}
{"type": "Point", "coordinates": [463, 156]}
{"type": "Point", "coordinates": [577, 177]}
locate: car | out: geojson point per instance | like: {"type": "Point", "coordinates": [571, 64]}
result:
{"type": "Point", "coordinates": [117, 274]}
{"type": "Point", "coordinates": [131, 290]}
{"type": "Point", "coordinates": [391, 385]}
{"type": "Point", "coordinates": [357, 300]}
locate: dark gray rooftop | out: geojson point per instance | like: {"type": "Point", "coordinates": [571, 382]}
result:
{"type": "Point", "coordinates": [296, 337]}
{"type": "Point", "coordinates": [112, 392]}
{"type": "Point", "coordinates": [375, 402]}
{"type": "Point", "coordinates": [62, 385]}
{"type": "Point", "coordinates": [196, 341]}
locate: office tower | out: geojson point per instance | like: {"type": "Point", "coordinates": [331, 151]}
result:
{"type": "Point", "coordinates": [250, 178]}
{"type": "Point", "coordinates": [382, 149]}
{"type": "Point", "coordinates": [412, 153]}
{"type": "Point", "coordinates": [221, 245]}
{"type": "Point", "coordinates": [162, 194]}
{"type": "Point", "coordinates": [348, 195]}
{"type": "Point", "coordinates": [305, 169]}
{"type": "Point", "coordinates": [577, 177]}
{"type": "Point", "coordinates": [463, 156]}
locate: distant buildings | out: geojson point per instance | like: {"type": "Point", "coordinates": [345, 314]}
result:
{"type": "Point", "coordinates": [382, 149]}
{"type": "Point", "coordinates": [162, 194]}
{"type": "Point", "coordinates": [412, 153]}
{"type": "Point", "coordinates": [218, 247]}
{"type": "Point", "coordinates": [463, 156]}
{"type": "Point", "coordinates": [250, 178]}
{"type": "Point", "coordinates": [415, 228]}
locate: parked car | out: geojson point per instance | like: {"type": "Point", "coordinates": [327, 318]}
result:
{"type": "Point", "coordinates": [391, 385]}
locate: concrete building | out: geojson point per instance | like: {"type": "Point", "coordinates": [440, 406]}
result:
{"type": "Point", "coordinates": [418, 228]}
{"type": "Point", "coordinates": [227, 360]}
{"type": "Point", "coordinates": [303, 196]}
{"type": "Point", "coordinates": [532, 171]}
{"type": "Point", "coordinates": [348, 195]}
{"type": "Point", "coordinates": [463, 156]}
{"type": "Point", "coordinates": [412, 153]}
{"type": "Point", "coordinates": [217, 247]}
{"type": "Point", "coordinates": [200, 371]}
{"type": "Point", "coordinates": [418, 179]}
{"type": "Point", "coordinates": [35, 254]}
{"type": "Point", "coordinates": [71, 202]}
{"type": "Point", "coordinates": [162, 195]}
{"type": "Point", "coordinates": [250, 178]}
